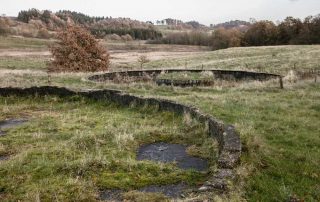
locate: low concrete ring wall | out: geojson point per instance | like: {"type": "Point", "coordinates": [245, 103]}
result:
{"type": "Point", "coordinates": [153, 73]}
{"type": "Point", "coordinates": [184, 83]}
{"type": "Point", "coordinates": [226, 135]}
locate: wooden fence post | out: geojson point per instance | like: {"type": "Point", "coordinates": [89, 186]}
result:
{"type": "Point", "coordinates": [281, 82]}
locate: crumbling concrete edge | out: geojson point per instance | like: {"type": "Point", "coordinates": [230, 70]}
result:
{"type": "Point", "coordinates": [217, 73]}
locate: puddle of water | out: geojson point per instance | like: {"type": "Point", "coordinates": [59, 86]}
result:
{"type": "Point", "coordinates": [164, 152]}
{"type": "Point", "coordinates": [10, 123]}
{"type": "Point", "coordinates": [3, 158]}
{"type": "Point", "coordinates": [111, 195]}
{"type": "Point", "coordinates": [172, 190]}
{"type": "Point", "coordinates": [2, 133]}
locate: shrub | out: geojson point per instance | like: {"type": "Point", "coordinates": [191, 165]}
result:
{"type": "Point", "coordinates": [186, 38]}
{"type": "Point", "coordinates": [43, 34]}
{"type": "Point", "coordinates": [37, 24]}
{"type": "Point", "coordinates": [112, 37]}
{"type": "Point", "coordinates": [126, 37]}
{"type": "Point", "coordinates": [78, 51]}
{"type": "Point", "coordinates": [142, 60]}
{"type": "Point", "coordinates": [261, 33]}
{"type": "Point", "coordinates": [225, 38]}
{"type": "Point", "coordinates": [4, 30]}
{"type": "Point", "coordinates": [291, 77]}
{"type": "Point", "coordinates": [4, 27]}
{"type": "Point", "coordinates": [27, 32]}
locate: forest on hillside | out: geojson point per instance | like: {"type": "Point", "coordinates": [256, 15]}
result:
{"type": "Point", "coordinates": [35, 23]}
{"type": "Point", "coordinates": [44, 24]}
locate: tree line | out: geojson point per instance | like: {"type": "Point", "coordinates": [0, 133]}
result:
{"type": "Point", "coordinates": [135, 33]}
{"type": "Point", "coordinates": [79, 18]}
{"type": "Point", "coordinates": [99, 26]}
{"type": "Point", "coordinates": [185, 38]}
{"type": "Point", "coordinates": [260, 33]}
{"type": "Point", "coordinates": [291, 31]}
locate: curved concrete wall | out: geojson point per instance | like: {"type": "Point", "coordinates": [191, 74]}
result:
{"type": "Point", "coordinates": [219, 74]}
{"type": "Point", "coordinates": [184, 83]}
{"type": "Point", "coordinates": [226, 135]}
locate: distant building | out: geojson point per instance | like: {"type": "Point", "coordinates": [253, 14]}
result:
{"type": "Point", "coordinates": [161, 22]}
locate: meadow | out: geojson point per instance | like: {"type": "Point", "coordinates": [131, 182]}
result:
{"type": "Point", "coordinates": [124, 56]}
{"type": "Point", "coordinates": [279, 127]}
{"type": "Point", "coordinates": [69, 149]}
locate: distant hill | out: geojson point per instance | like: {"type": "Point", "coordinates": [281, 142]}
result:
{"type": "Point", "coordinates": [30, 22]}
{"type": "Point", "coordinates": [238, 24]}
{"type": "Point", "coordinates": [176, 24]}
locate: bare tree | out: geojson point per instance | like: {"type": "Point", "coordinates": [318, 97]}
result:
{"type": "Point", "coordinates": [142, 60]}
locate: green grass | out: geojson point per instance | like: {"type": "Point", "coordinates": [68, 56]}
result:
{"type": "Point", "coordinates": [30, 62]}
{"type": "Point", "coordinates": [279, 131]}
{"type": "Point", "coordinates": [278, 59]}
{"type": "Point", "coordinates": [34, 62]}
{"type": "Point", "coordinates": [71, 148]}
{"type": "Point", "coordinates": [287, 124]}
{"type": "Point", "coordinates": [24, 43]}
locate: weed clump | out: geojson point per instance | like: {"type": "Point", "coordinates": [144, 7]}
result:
{"type": "Point", "coordinates": [78, 51]}
{"type": "Point", "coordinates": [291, 77]}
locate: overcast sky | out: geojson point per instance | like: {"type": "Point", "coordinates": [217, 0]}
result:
{"type": "Point", "coordinates": [204, 11]}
